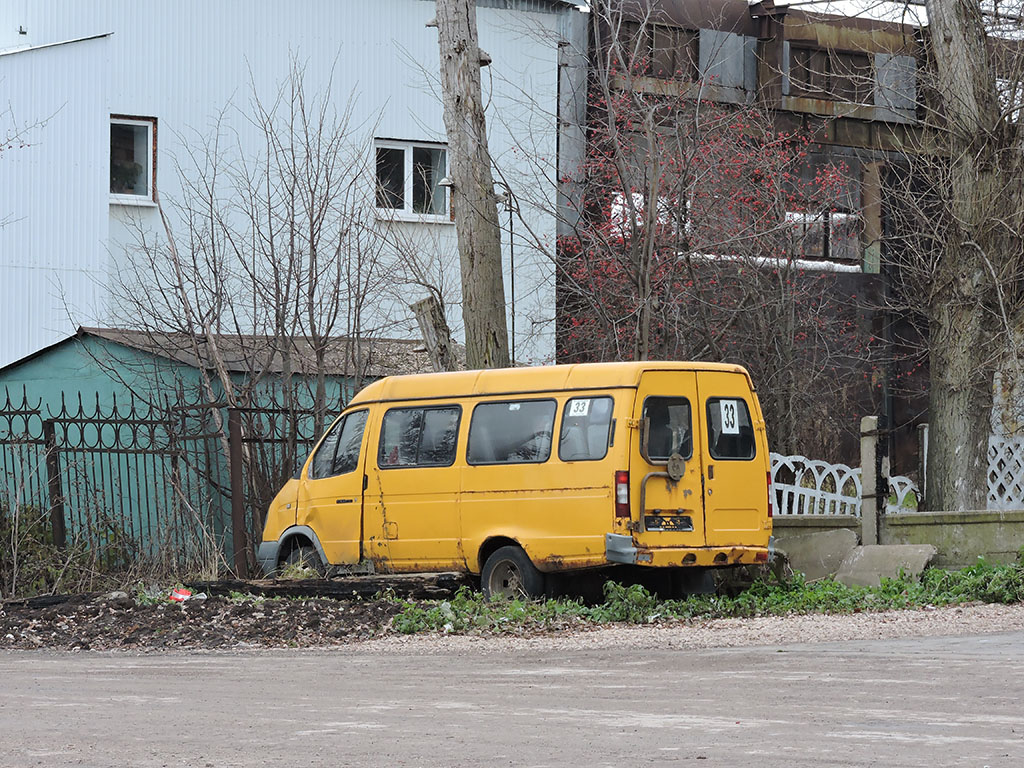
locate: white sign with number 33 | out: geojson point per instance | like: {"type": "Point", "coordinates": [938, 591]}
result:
{"type": "Point", "coordinates": [730, 416]}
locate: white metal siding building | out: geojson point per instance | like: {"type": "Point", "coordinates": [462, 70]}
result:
{"type": "Point", "coordinates": [81, 81]}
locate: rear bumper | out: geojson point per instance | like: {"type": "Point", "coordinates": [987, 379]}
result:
{"type": "Point", "coordinates": [621, 549]}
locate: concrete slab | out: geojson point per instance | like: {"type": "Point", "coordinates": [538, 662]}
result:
{"type": "Point", "coordinates": [817, 554]}
{"type": "Point", "coordinates": [865, 566]}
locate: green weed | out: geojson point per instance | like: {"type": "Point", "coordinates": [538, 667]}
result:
{"type": "Point", "coordinates": [469, 612]}
{"type": "Point", "coordinates": [297, 572]}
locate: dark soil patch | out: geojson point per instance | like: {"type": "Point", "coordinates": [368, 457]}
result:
{"type": "Point", "coordinates": [118, 621]}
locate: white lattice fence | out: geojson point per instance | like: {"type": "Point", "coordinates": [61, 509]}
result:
{"type": "Point", "coordinates": [804, 486]}
{"type": "Point", "coordinates": [1005, 473]}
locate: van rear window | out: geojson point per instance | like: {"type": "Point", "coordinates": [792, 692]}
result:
{"type": "Point", "coordinates": [586, 423]}
{"type": "Point", "coordinates": [511, 432]}
{"type": "Point", "coordinates": [419, 437]}
{"type": "Point", "coordinates": [730, 431]}
{"type": "Point", "coordinates": [671, 427]}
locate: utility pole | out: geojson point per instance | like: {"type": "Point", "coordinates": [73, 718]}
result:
{"type": "Point", "coordinates": [469, 164]}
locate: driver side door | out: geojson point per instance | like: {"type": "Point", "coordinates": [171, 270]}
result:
{"type": "Point", "coordinates": [330, 498]}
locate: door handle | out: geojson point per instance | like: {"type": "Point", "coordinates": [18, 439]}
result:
{"type": "Point", "coordinates": [711, 471]}
{"type": "Point", "coordinates": [344, 501]}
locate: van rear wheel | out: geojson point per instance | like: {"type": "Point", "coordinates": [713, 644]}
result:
{"type": "Point", "coordinates": [509, 573]}
{"type": "Point", "coordinates": [692, 580]}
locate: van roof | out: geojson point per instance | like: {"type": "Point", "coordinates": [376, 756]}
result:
{"type": "Point", "coordinates": [428, 386]}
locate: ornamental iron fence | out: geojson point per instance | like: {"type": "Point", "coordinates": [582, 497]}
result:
{"type": "Point", "coordinates": [142, 482]}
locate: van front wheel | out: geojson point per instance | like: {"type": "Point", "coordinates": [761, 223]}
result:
{"type": "Point", "coordinates": [509, 573]}
{"type": "Point", "coordinates": [302, 557]}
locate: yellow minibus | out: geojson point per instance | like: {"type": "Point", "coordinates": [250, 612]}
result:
{"type": "Point", "coordinates": [520, 474]}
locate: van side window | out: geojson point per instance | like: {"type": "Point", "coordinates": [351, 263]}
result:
{"type": "Point", "coordinates": [671, 429]}
{"type": "Point", "coordinates": [339, 451]}
{"type": "Point", "coordinates": [419, 437]}
{"type": "Point", "coordinates": [511, 432]}
{"type": "Point", "coordinates": [730, 431]}
{"type": "Point", "coordinates": [586, 423]}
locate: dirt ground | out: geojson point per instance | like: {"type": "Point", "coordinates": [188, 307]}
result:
{"type": "Point", "coordinates": [117, 621]}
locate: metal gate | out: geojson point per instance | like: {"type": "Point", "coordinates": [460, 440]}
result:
{"type": "Point", "coordinates": [171, 485]}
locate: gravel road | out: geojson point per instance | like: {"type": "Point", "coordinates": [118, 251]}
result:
{"type": "Point", "coordinates": [602, 699]}
{"type": "Point", "coordinates": [977, 619]}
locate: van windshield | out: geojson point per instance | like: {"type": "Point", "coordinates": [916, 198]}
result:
{"type": "Point", "coordinates": [671, 429]}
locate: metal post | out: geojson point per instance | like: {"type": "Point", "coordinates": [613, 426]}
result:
{"type": "Point", "coordinates": [922, 465]}
{"type": "Point", "coordinates": [512, 274]}
{"type": "Point", "coordinates": [238, 532]}
{"type": "Point", "coordinates": [53, 483]}
{"type": "Point", "coordinates": [868, 480]}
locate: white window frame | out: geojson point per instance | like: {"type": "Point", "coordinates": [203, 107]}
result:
{"type": "Point", "coordinates": [406, 213]}
{"type": "Point", "coordinates": [150, 125]}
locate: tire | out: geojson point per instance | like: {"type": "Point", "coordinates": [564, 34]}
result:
{"type": "Point", "coordinates": [508, 573]}
{"type": "Point", "coordinates": [304, 556]}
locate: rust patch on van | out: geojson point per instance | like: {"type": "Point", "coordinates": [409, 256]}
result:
{"type": "Point", "coordinates": [552, 563]}
{"type": "Point", "coordinates": [558, 563]}
{"type": "Point", "coordinates": [378, 555]}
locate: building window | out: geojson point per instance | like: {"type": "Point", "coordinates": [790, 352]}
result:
{"type": "Point", "coordinates": [409, 178]}
{"type": "Point", "coordinates": [836, 75]}
{"type": "Point", "coordinates": [658, 50]}
{"type": "Point", "coordinates": [829, 235]}
{"type": "Point", "coordinates": [132, 159]}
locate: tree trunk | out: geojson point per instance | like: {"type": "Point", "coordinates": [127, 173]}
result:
{"type": "Point", "coordinates": [963, 347]}
{"type": "Point", "coordinates": [476, 210]}
{"type": "Point", "coordinates": [436, 336]}
{"type": "Point", "coordinates": [960, 404]}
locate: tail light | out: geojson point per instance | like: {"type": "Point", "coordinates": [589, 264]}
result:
{"type": "Point", "coordinates": [770, 494]}
{"type": "Point", "coordinates": [622, 493]}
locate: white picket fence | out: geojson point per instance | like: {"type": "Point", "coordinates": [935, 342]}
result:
{"type": "Point", "coordinates": [804, 486]}
{"type": "Point", "coordinates": [1005, 473]}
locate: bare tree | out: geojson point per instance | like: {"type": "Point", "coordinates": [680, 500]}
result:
{"type": "Point", "coordinates": [698, 230]}
{"type": "Point", "coordinates": [281, 246]}
{"type": "Point", "coordinates": [958, 203]}
{"type": "Point", "coordinates": [476, 212]}
{"type": "Point", "coordinates": [265, 273]}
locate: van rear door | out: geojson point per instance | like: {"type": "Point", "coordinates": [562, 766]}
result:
{"type": "Point", "coordinates": [670, 513]}
{"type": "Point", "coordinates": [734, 454]}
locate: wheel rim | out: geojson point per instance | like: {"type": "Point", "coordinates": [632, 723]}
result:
{"type": "Point", "coordinates": [506, 580]}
